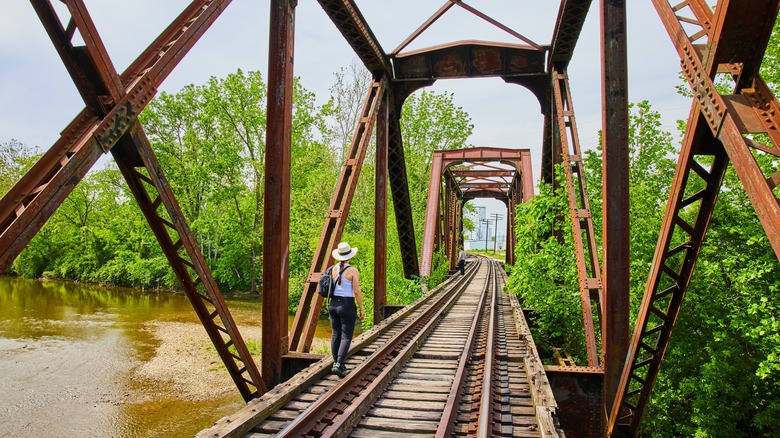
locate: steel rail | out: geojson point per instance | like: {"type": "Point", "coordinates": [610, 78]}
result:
{"type": "Point", "coordinates": [352, 414]}
{"type": "Point", "coordinates": [485, 418]}
{"type": "Point", "coordinates": [450, 415]}
{"type": "Point", "coordinates": [406, 340]}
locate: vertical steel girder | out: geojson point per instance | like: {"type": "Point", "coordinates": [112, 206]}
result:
{"type": "Point", "coordinates": [522, 191]}
{"type": "Point", "coordinates": [305, 323]}
{"type": "Point", "coordinates": [276, 218]}
{"type": "Point", "coordinates": [588, 269]}
{"type": "Point", "coordinates": [432, 215]}
{"type": "Point", "coordinates": [380, 210]}
{"type": "Point", "coordinates": [109, 123]}
{"type": "Point", "coordinates": [737, 36]}
{"type": "Point", "coordinates": [615, 277]}
{"type": "Point", "coordinates": [399, 186]}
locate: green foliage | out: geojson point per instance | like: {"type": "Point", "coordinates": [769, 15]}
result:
{"type": "Point", "coordinates": [15, 159]}
{"type": "Point", "coordinates": [545, 273]}
{"type": "Point", "coordinates": [721, 371]}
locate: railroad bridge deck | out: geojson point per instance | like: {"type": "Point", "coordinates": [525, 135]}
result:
{"type": "Point", "coordinates": [421, 372]}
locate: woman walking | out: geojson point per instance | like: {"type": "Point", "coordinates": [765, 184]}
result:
{"type": "Point", "coordinates": [344, 305]}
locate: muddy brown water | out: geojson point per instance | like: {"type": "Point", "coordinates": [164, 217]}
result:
{"type": "Point", "coordinates": [91, 361]}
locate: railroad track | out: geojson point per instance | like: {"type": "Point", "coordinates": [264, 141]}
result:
{"type": "Point", "coordinates": [453, 363]}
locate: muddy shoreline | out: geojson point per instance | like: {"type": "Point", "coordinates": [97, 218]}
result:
{"type": "Point", "coordinates": [87, 360]}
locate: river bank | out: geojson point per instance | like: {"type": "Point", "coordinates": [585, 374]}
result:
{"type": "Point", "coordinates": [86, 360]}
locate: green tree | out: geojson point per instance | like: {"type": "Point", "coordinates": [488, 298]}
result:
{"type": "Point", "coordinates": [545, 272]}
{"type": "Point", "coordinates": [16, 159]}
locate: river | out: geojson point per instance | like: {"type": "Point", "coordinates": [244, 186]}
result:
{"type": "Point", "coordinates": [92, 361]}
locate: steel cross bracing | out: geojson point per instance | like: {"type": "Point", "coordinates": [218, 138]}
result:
{"type": "Point", "coordinates": [305, 323]}
{"type": "Point", "coordinates": [109, 123]}
{"type": "Point", "coordinates": [731, 41]}
{"type": "Point", "coordinates": [588, 270]}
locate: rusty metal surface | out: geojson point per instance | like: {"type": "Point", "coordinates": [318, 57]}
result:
{"type": "Point", "coordinates": [350, 22]}
{"type": "Point", "coordinates": [578, 394]}
{"type": "Point", "coordinates": [27, 206]}
{"type": "Point", "coordinates": [399, 184]}
{"type": "Point", "coordinates": [715, 129]}
{"type": "Point", "coordinates": [305, 322]}
{"type": "Point", "coordinates": [616, 233]}
{"type": "Point", "coordinates": [432, 19]}
{"type": "Point", "coordinates": [432, 215]}
{"type": "Point", "coordinates": [671, 269]}
{"type": "Point", "coordinates": [138, 164]}
{"type": "Point", "coordinates": [586, 251]}
{"type": "Point", "coordinates": [469, 59]}
{"type": "Point", "coordinates": [571, 18]}
{"type": "Point", "coordinates": [469, 174]}
{"type": "Point", "coordinates": [276, 204]}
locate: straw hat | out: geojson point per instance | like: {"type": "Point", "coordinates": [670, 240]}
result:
{"type": "Point", "coordinates": [344, 252]}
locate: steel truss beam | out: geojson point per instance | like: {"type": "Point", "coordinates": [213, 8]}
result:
{"type": "Point", "coordinates": [350, 22]}
{"type": "Point", "coordinates": [571, 18]}
{"type": "Point", "coordinates": [737, 36]}
{"type": "Point", "coordinates": [588, 269]}
{"type": "Point", "coordinates": [113, 103]}
{"type": "Point", "coordinates": [305, 323]}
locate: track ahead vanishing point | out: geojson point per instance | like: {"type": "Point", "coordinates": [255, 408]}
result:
{"type": "Point", "coordinates": [459, 361]}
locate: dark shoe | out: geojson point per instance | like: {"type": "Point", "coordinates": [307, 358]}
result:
{"type": "Point", "coordinates": [338, 369]}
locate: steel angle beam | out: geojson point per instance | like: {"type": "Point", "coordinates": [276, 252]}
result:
{"type": "Point", "coordinates": [305, 322]}
{"type": "Point", "coordinates": [588, 268]}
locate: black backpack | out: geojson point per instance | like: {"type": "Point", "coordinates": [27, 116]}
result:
{"type": "Point", "coordinates": [326, 283]}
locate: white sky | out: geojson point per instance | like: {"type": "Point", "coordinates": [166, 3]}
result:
{"type": "Point", "coordinates": [38, 99]}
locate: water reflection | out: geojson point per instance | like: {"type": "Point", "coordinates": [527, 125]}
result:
{"type": "Point", "coordinates": [75, 360]}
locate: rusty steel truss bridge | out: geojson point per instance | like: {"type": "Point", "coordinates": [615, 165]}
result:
{"type": "Point", "coordinates": [610, 392]}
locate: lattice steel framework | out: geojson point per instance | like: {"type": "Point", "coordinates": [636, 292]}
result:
{"type": "Point", "coordinates": [588, 269]}
{"type": "Point", "coordinates": [109, 123]}
{"type": "Point", "coordinates": [732, 41]}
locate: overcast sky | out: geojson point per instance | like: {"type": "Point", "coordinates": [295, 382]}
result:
{"type": "Point", "coordinates": [38, 99]}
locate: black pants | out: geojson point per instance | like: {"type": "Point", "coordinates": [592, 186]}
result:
{"type": "Point", "coordinates": [343, 314]}
{"type": "Point", "coordinates": [462, 267]}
